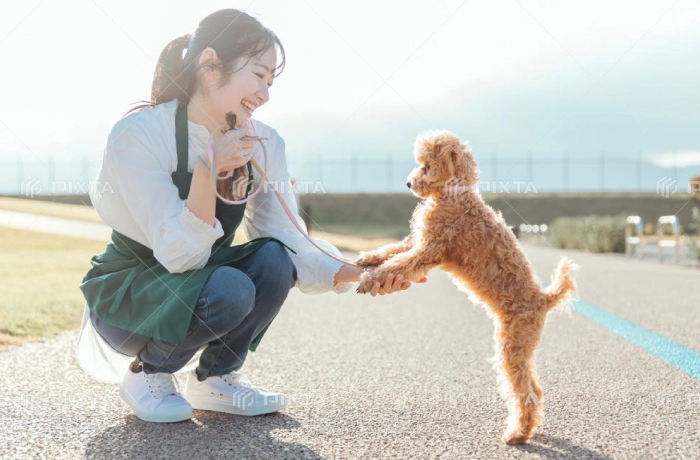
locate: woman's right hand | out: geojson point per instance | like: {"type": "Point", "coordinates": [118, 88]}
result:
{"type": "Point", "coordinates": [231, 151]}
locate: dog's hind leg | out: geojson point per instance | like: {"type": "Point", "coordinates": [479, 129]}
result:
{"type": "Point", "coordinates": [516, 340]}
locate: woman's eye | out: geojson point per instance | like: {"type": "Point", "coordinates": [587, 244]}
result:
{"type": "Point", "coordinates": [259, 75]}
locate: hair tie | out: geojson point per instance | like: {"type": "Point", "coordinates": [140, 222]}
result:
{"type": "Point", "coordinates": [186, 49]}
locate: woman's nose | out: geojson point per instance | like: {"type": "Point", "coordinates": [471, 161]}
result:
{"type": "Point", "coordinates": [263, 93]}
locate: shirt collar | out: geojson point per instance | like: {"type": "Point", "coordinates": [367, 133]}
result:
{"type": "Point", "coordinates": [197, 133]}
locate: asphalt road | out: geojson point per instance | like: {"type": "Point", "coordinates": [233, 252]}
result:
{"type": "Point", "coordinates": [401, 376]}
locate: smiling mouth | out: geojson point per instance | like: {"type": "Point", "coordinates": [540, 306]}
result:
{"type": "Point", "coordinates": [248, 105]}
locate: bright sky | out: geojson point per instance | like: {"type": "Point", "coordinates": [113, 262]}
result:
{"type": "Point", "coordinates": [71, 68]}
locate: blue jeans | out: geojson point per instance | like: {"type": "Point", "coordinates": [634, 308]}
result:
{"type": "Point", "coordinates": [235, 305]}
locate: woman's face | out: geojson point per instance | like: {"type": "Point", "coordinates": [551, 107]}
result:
{"type": "Point", "coordinates": [246, 90]}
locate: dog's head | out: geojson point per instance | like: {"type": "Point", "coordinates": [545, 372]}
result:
{"type": "Point", "coordinates": [442, 161]}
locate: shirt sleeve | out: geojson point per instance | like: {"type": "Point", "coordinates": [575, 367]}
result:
{"type": "Point", "coordinates": [143, 203]}
{"type": "Point", "coordinates": [265, 217]}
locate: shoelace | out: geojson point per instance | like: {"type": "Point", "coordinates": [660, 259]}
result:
{"type": "Point", "coordinates": [162, 384]}
{"type": "Point", "coordinates": [243, 392]}
{"type": "Point", "coordinates": [234, 379]}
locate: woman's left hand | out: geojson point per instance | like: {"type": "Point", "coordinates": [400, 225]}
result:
{"type": "Point", "coordinates": [393, 283]}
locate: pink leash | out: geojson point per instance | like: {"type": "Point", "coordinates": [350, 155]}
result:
{"type": "Point", "coordinates": [213, 178]}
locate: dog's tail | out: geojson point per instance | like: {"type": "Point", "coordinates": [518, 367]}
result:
{"type": "Point", "coordinates": [563, 283]}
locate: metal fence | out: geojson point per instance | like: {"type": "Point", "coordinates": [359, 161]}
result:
{"type": "Point", "coordinates": [506, 174]}
{"type": "Point", "coordinates": [384, 174]}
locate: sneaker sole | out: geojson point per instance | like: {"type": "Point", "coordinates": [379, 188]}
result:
{"type": "Point", "coordinates": [177, 414]}
{"type": "Point", "coordinates": [222, 405]}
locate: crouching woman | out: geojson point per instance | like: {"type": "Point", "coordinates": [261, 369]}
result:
{"type": "Point", "coordinates": [170, 284]}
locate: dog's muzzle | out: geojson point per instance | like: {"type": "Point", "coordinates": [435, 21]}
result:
{"type": "Point", "coordinates": [408, 184]}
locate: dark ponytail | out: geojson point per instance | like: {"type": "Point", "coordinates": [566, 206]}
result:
{"type": "Point", "coordinates": [171, 80]}
{"type": "Point", "coordinates": [231, 33]}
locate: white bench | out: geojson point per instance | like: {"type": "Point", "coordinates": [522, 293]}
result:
{"type": "Point", "coordinates": [634, 235]}
{"type": "Point", "coordinates": [635, 238]}
{"type": "Point", "coordinates": [668, 241]}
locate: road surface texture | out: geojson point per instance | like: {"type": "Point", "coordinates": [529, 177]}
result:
{"type": "Point", "coordinates": [400, 376]}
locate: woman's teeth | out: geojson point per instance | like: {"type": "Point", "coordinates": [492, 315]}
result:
{"type": "Point", "coordinates": [248, 105]}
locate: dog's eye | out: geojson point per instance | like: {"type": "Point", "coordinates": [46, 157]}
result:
{"type": "Point", "coordinates": [426, 167]}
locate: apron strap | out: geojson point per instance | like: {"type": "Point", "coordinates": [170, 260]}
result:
{"type": "Point", "coordinates": [181, 138]}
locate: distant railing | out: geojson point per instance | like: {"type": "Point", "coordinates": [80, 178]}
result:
{"type": "Point", "coordinates": [527, 173]}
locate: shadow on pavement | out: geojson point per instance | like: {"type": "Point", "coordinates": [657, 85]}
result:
{"type": "Point", "coordinates": [552, 447]}
{"type": "Point", "coordinates": [206, 435]}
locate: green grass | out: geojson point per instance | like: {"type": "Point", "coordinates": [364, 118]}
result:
{"type": "Point", "coordinates": [40, 277]}
{"type": "Point", "coordinates": [362, 215]}
{"type": "Point", "coordinates": [589, 233]}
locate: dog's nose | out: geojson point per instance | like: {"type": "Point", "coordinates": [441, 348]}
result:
{"type": "Point", "coordinates": [408, 184]}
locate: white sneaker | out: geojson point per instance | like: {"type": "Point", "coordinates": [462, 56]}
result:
{"type": "Point", "coordinates": [226, 393]}
{"type": "Point", "coordinates": [154, 397]}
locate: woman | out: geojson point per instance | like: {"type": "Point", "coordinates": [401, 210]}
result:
{"type": "Point", "coordinates": [170, 284]}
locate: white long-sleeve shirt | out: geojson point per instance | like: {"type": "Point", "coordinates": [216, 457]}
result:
{"type": "Point", "coordinates": [136, 197]}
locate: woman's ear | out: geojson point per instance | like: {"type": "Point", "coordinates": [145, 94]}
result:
{"type": "Point", "coordinates": [207, 62]}
{"type": "Point", "coordinates": [208, 56]}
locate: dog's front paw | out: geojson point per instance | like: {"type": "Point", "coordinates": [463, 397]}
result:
{"type": "Point", "coordinates": [367, 282]}
{"type": "Point", "coordinates": [369, 259]}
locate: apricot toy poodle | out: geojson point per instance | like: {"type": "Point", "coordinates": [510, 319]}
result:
{"type": "Point", "coordinates": [455, 230]}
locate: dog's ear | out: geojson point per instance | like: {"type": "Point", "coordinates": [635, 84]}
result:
{"type": "Point", "coordinates": [454, 161]}
{"type": "Point", "coordinates": [446, 154]}
{"type": "Point", "coordinates": [472, 169]}
{"type": "Point", "coordinates": [465, 167]}
{"type": "Point", "coordinates": [451, 161]}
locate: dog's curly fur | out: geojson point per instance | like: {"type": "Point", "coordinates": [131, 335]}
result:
{"type": "Point", "coordinates": [455, 230]}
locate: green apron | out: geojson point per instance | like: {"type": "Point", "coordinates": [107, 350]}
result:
{"type": "Point", "coordinates": [128, 288]}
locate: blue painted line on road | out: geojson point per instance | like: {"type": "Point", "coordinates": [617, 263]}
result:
{"type": "Point", "coordinates": [676, 355]}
